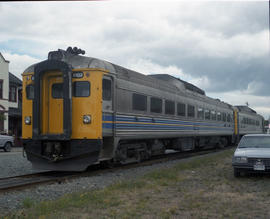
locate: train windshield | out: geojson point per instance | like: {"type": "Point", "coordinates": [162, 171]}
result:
{"type": "Point", "coordinates": [81, 89]}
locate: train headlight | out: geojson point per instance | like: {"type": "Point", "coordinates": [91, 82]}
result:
{"type": "Point", "coordinates": [86, 119]}
{"type": "Point", "coordinates": [27, 120]}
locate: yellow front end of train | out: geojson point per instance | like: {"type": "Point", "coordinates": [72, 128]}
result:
{"type": "Point", "coordinates": [62, 116]}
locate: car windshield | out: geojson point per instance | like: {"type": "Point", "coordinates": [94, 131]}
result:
{"type": "Point", "coordinates": [255, 142]}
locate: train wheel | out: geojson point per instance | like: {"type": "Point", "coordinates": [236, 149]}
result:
{"type": "Point", "coordinates": [224, 142]}
{"type": "Point", "coordinates": [109, 163]}
{"type": "Point", "coordinates": [139, 157]}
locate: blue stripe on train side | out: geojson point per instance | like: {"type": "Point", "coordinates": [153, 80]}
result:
{"type": "Point", "coordinates": [165, 121]}
{"type": "Point", "coordinates": [107, 125]}
{"type": "Point", "coordinates": [107, 118]}
{"type": "Point", "coordinates": [164, 127]}
{"type": "Point", "coordinates": [168, 124]}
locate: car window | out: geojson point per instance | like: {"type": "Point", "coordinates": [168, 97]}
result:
{"type": "Point", "coordinates": [254, 141]}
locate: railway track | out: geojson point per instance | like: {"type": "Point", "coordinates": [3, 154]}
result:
{"type": "Point", "coordinates": [24, 181]}
{"type": "Point", "coordinates": [30, 180]}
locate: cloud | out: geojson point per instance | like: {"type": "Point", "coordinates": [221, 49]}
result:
{"type": "Point", "coordinates": [19, 62]}
{"type": "Point", "coordinates": [254, 87]}
{"type": "Point", "coordinates": [147, 67]}
{"type": "Point", "coordinates": [221, 47]}
{"type": "Point", "coordinates": [199, 27]}
{"type": "Point", "coordinates": [240, 46]}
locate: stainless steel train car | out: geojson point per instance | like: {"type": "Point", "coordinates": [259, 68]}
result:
{"type": "Point", "coordinates": [80, 111]}
{"type": "Point", "coordinates": [249, 121]}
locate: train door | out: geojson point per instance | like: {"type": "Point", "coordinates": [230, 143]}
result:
{"type": "Point", "coordinates": [107, 106]}
{"type": "Point", "coordinates": [107, 94]}
{"type": "Point", "coordinates": [55, 105]}
{"type": "Point", "coordinates": [108, 117]}
{"type": "Point", "coordinates": [52, 109]}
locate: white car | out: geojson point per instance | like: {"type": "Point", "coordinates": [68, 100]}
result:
{"type": "Point", "coordinates": [6, 142]}
{"type": "Point", "coordinates": [252, 154]}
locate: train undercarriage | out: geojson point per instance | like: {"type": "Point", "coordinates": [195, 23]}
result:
{"type": "Point", "coordinates": [138, 150]}
{"type": "Point", "coordinates": [77, 155]}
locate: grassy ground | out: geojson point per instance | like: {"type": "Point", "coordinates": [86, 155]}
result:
{"type": "Point", "coordinates": [199, 188]}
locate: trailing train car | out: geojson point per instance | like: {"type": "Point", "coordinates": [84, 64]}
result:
{"type": "Point", "coordinates": [249, 121]}
{"type": "Point", "coordinates": [80, 111]}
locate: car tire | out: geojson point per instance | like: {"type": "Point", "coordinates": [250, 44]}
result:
{"type": "Point", "coordinates": [7, 147]}
{"type": "Point", "coordinates": [236, 172]}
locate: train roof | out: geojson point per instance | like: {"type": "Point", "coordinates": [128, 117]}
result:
{"type": "Point", "coordinates": [159, 81]}
{"type": "Point", "coordinates": [245, 109]}
{"type": "Point", "coordinates": [178, 82]}
{"type": "Point", "coordinates": [77, 61]}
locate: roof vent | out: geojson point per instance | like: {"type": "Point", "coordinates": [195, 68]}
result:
{"type": "Point", "coordinates": [75, 50]}
{"type": "Point", "coordinates": [63, 54]}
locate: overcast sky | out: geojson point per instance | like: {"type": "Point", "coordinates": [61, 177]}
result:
{"type": "Point", "coordinates": [222, 47]}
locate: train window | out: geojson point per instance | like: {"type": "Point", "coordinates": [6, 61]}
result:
{"type": "Point", "coordinates": [30, 92]}
{"type": "Point", "coordinates": [257, 123]}
{"type": "Point", "coordinates": [207, 114]}
{"type": "Point", "coordinates": [218, 116]}
{"type": "Point", "coordinates": [224, 117]}
{"type": "Point", "coordinates": [181, 109]}
{"type": "Point", "coordinates": [191, 111]}
{"type": "Point", "coordinates": [57, 90]}
{"type": "Point", "coordinates": [213, 115]}
{"type": "Point", "coordinates": [228, 118]}
{"type": "Point", "coordinates": [156, 105]}
{"type": "Point", "coordinates": [106, 89]}
{"type": "Point", "coordinates": [200, 113]}
{"type": "Point", "coordinates": [81, 89]}
{"type": "Point", "coordinates": [139, 102]}
{"type": "Point", "coordinates": [169, 107]}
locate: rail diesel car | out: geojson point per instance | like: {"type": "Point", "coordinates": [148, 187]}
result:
{"type": "Point", "coordinates": [79, 111]}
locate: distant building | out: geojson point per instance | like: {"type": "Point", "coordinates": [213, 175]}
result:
{"type": "Point", "coordinates": [15, 108]}
{"type": "Point", "coordinates": [4, 92]}
{"type": "Point", "coordinates": [10, 101]}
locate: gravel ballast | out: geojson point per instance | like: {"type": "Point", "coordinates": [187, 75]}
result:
{"type": "Point", "coordinates": [17, 165]}
{"type": "Point", "coordinates": [13, 163]}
